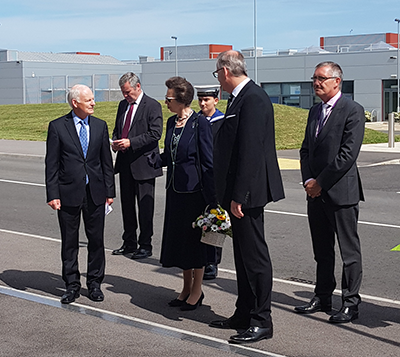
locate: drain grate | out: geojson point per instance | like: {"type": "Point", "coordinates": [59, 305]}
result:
{"type": "Point", "coordinates": [299, 280]}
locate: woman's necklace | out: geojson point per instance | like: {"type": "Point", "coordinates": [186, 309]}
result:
{"type": "Point", "coordinates": [180, 120]}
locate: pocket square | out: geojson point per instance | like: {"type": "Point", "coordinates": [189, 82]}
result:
{"type": "Point", "coordinates": [230, 116]}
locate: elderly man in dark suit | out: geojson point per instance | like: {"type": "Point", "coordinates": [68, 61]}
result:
{"type": "Point", "coordinates": [247, 178]}
{"type": "Point", "coordinates": [332, 142]}
{"type": "Point", "coordinates": [80, 180]}
{"type": "Point", "coordinates": [138, 128]}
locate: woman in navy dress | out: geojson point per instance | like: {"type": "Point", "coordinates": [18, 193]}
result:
{"type": "Point", "coordinates": [190, 188]}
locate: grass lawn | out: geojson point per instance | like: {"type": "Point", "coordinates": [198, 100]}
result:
{"type": "Point", "coordinates": [30, 121]}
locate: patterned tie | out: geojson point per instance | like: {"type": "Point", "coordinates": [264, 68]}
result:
{"type": "Point", "coordinates": [127, 125]}
{"type": "Point", "coordinates": [83, 138]}
{"type": "Point", "coordinates": [322, 118]}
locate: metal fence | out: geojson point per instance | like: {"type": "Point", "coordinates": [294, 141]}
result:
{"type": "Point", "coordinates": [54, 89]}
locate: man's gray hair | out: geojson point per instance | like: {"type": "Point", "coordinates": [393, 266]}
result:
{"type": "Point", "coordinates": [130, 77]}
{"type": "Point", "coordinates": [335, 70]}
{"type": "Point", "coordinates": [75, 93]}
{"type": "Point", "coordinates": [232, 61]}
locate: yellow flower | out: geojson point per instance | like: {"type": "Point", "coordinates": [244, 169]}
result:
{"type": "Point", "coordinates": [221, 217]}
{"type": "Point", "coordinates": [214, 211]}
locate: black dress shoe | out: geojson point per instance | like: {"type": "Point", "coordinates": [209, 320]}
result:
{"type": "Point", "coordinates": [210, 272]}
{"type": "Point", "coordinates": [69, 296]}
{"type": "Point", "coordinates": [252, 334]}
{"type": "Point", "coordinates": [95, 294]}
{"type": "Point", "coordinates": [141, 254]}
{"type": "Point", "coordinates": [188, 307]}
{"type": "Point", "coordinates": [346, 314]}
{"type": "Point", "coordinates": [314, 305]}
{"type": "Point", "coordinates": [124, 250]}
{"type": "Point", "coordinates": [230, 323]}
{"type": "Point", "coordinates": [176, 302]}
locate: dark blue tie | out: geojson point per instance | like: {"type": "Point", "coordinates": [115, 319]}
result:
{"type": "Point", "coordinates": [83, 138]}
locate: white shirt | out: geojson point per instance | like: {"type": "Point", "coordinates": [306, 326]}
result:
{"type": "Point", "coordinates": [135, 106]}
{"type": "Point", "coordinates": [239, 87]}
{"type": "Point", "coordinates": [77, 122]}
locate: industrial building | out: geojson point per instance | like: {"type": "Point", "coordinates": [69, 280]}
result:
{"type": "Point", "coordinates": [31, 77]}
{"type": "Point", "coordinates": [369, 62]}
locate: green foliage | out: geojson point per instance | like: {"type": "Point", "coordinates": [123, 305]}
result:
{"type": "Point", "coordinates": [30, 122]}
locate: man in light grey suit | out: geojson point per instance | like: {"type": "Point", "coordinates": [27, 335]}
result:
{"type": "Point", "coordinates": [333, 138]}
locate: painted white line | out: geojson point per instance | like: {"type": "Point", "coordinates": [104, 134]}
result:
{"type": "Point", "coordinates": [133, 321]}
{"type": "Point", "coordinates": [20, 154]}
{"type": "Point", "coordinates": [360, 222]}
{"type": "Point", "coordinates": [30, 235]}
{"type": "Point", "coordinates": [23, 183]}
{"type": "Point", "coordinates": [229, 271]}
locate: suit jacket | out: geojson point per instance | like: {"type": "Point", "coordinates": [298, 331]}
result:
{"type": "Point", "coordinates": [144, 134]}
{"type": "Point", "coordinates": [66, 166]}
{"type": "Point", "coordinates": [245, 162]}
{"type": "Point", "coordinates": [192, 168]}
{"type": "Point", "coordinates": [331, 157]}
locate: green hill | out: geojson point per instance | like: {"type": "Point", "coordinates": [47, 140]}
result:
{"type": "Point", "coordinates": [30, 121]}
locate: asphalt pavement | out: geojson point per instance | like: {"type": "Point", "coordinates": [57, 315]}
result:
{"type": "Point", "coordinates": [135, 320]}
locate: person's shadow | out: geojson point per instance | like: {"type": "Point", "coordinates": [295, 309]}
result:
{"type": "Point", "coordinates": [371, 315]}
{"type": "Point", "coordinates": [145, 296]}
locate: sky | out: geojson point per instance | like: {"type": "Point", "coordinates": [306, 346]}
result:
{"type": "Point", "coordinates": [127, 29]}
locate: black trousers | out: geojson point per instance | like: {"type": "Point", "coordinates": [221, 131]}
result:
{"type": "Point", "coordinates": [141, 193]}
{"type": "Point", "coordinates": [214, 255]}
{"type": "Point", "coordinates": [69, 220]}
{"type": "Point", "coordinates": [253, 268]}
{"type": "Point", "coordinates": [325, 221]}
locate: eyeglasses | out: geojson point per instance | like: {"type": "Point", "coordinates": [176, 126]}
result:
{"type": "Point", "coordinates": [169, 99]}
{"type": "Point", "coordinates": [215, 73]}
{"type": "Point", "coordinates": [320, 78]}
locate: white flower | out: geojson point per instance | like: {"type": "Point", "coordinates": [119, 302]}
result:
{"type": "Point", "coordinates": [200, 222]}
{"type": "Point", "coordinates": [214, 227]}
{"type": "Point", "coordinates": [224, 226]}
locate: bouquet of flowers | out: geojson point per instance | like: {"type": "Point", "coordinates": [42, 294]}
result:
{"type": "Point", "coordinates": [215, 225]}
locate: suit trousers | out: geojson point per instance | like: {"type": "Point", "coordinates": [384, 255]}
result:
{"type": "Point", "coordinates": [69, 220]}
{"type": "Point", "coordinates": [142, 193]}
{"type": "Point", "coordinates": [253, 268]}
{"type": "Point", "coordinates": [326, 219]}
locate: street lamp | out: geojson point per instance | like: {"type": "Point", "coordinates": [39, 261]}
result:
{"type": "Point", "coordinates": [255, 41]}
{"type": "Point", "coordinates": [176, 55]}
{"type": "Point", "coordinates": [398, 53]}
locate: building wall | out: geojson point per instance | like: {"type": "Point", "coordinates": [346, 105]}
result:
{"type": "Point", "coordinates": [367, 69]}
{"type": "Point", "coordinates": [31, 82]}
{"type": "Point", "coordinates": [11, 83]}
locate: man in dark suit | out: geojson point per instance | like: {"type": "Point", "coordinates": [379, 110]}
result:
{"type": "Point", "coordinates": [332, 142]}
{"type": "Point", "coordinates": [247, 178]}
{"type": "Point", "coordinates": [80, 180]}
{"type": "Point", "coordinates": [138, 128]}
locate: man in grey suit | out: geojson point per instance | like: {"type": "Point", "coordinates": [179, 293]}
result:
{"type": "Point", "coordinates": [333, 138]}
{"type": "Point", "coordinates": [138, 128]}
{"type": "Point", "coordinates": [80, 181]}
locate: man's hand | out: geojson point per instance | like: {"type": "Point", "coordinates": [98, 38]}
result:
{"type": "Point", "coordinates": [313, 189]}
{"type": "Point", "coordinates": [121, 144]}
{"type": "Point", "coordinates": [110, 201]}
{"type": "Point", "coordinates": [55, 204]}
{"type": "Point", "coordinates": [236, 209]}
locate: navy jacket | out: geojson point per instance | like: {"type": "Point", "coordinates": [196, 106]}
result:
{"type": "Point", "coordinates": [192, 168]}
{"type": "Point", "coordinates": [66, 166]}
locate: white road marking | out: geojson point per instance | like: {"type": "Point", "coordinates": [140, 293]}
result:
{"type": "Point", "coordinates": [288, 282]}
{"type": "Point", "coordinates": [360, 222]}
{"type": "Point", "coordinates": [23, 183]}
{"type": "Point", "coordinates": [149, 326]}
